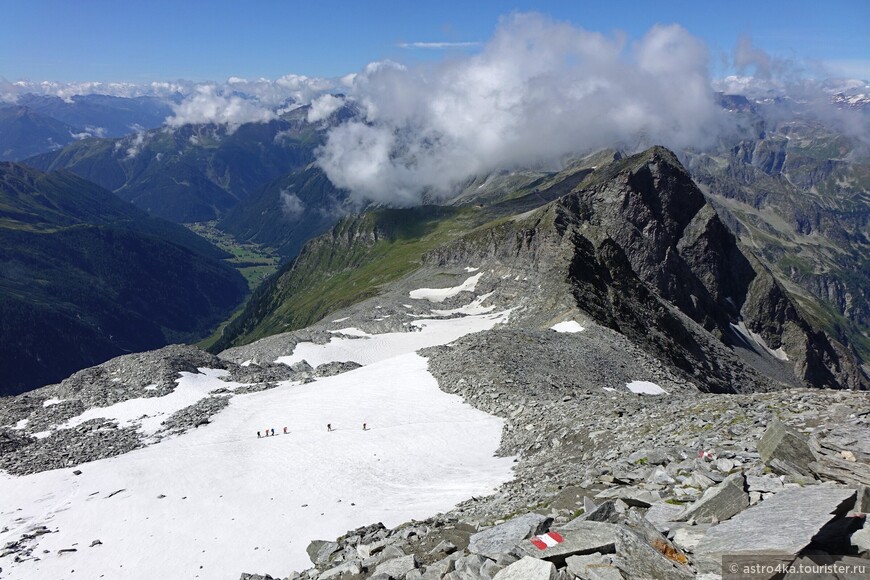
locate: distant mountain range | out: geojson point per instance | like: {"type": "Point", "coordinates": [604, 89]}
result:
{"type": "Point", "coordinates": [85, 276]}
{"type": "Point", "coordinates": [37, 124]}
{"type": "Point", "coordinates": [192, 173]}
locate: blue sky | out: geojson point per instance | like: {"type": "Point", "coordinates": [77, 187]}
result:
{"type": "Point", "coordinates": [163, 40]}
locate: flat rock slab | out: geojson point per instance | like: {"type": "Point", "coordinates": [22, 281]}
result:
{"type": "Point", "coordinates": [580, 538]}
{"type": "Point", "coordinates": [637, 558]}
{"type": "Point", "coordinates": [662, 514]}
{"type": "Point", "coordinates": [764, 483]}
{"type": "Point", "coordinates": [632, 496]}
{"type": "Point", "coordinates": [528, 569]}
{"type": "Point", "coordinates": [784, 524]}
{"type": "Point", "coordinates": [593, 567]}
{"type": "Point", "coordinates": [501, 539]}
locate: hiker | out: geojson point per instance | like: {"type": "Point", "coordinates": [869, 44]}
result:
{"type": "Point", "coordinates": [364, 427]}
{"type": "Point", "coordinates": [258, 434]}
{"type": "Point", "coordinates": [329, 427]}
{"type": "Point", "coordinates": [285, 430]}
{"type": "Point", "coordinates": [273, 430]}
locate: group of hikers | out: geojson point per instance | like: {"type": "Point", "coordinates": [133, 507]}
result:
{"type": "Point", "coordinates": [271, 432]}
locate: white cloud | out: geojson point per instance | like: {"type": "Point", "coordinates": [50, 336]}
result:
{"type": "Point", "coordinates": [90, 131]}
{"type": "Point", "coordinates": [209, 105]}
{"type": "Point", "coordinates": [273, 94]}
{"type": "Point", "coordinates": [323, 106]}
{"type": "Point", "coordinates": [291, 205]}
{"type": "Point", "coordinates": [137, 142]}
{"type": "Point", "coordinates": [10, 91]}
{"type": "Point", "coordinates": [538, 90]}
{"type": "Point", "coordinates": [437, 45]}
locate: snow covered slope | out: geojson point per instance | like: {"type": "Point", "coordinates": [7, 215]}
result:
{"type": "Point", "coordinates": [217, 499]}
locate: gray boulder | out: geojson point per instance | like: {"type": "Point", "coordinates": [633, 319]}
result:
{"type": "Point", "coordinates": [397, 567]}
{"type": "Point", "coordinates": [593, 567]}
{"type": "Point", "coordinates": [606, 512]}
{"type": "Point", "coordinates": [785, 523]}
{"type": "Point", "coordinates": [347, 568]}
{"type": "Point", "coordinates": [718, 503]}
{"type": "Point", "coordinates": [786, 450]}
{"type": "Point", "coordinates": [631, 495]}
{"type": "Point", "coordinates": [320, 550]}
{"type": "Point", "coordinates": [528, 568]}
{"type": "Point", "coordinates": [861, 541]}
{"type": "Point", "coordinates": [503, 538]}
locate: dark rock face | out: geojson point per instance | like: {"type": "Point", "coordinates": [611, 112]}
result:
{"type": "Point", "coordinates": [641, 251]}
{"type": "Point", "coordinates": [650, 222]}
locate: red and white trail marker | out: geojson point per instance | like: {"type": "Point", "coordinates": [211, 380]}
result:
{"type": "Point", "coordinates": [547, 540]}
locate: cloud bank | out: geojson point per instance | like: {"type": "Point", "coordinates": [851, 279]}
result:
{"type": "Point", "coordinates": [208, 105]}
{"type": "Point", "coordinates": [537, 90]}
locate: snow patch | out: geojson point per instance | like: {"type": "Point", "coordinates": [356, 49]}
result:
{"type": "Point", "coordinates": [341, 319]}
{"type": "Point", "coordinates": [441, 294]}
{"type": "Point", "coordinates": [378, 347]}
{"type": "Point", "coordinates": [569, 326]}
{"type": "Point", "coordinates": [645, 388]}
{"type": "Point", "coordinates": [21, 424]}
{"type": "Point", "coordinates": [470, 269]}
{"type": "Point", "coordinates": [750, 336]}
{"type": "Point", "coordinates": [472, 308]}
{"type": "Point", "coordinates": [351, 331]}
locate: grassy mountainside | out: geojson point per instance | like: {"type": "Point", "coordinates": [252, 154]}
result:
{"type": "Point", "coordinates": [344, 266]}
{"type": "Point", "coordinates": [85, 276]}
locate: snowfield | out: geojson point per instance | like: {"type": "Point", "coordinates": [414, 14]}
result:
{"type": "Point", "coordinates": [217, 501]}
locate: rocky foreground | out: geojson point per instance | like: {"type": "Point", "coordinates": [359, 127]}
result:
{"type": "Point", "coordinates": [616, 485]}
